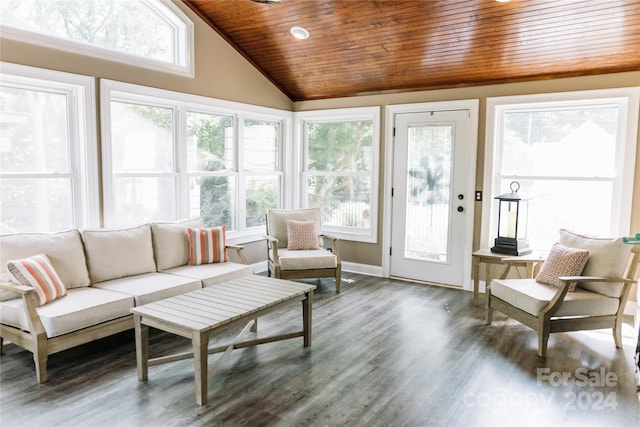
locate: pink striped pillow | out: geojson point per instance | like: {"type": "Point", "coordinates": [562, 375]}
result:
{"type": "Point", "coordinates": [37, 271]}
{"type": "Point", "coordinates": [207, 245]}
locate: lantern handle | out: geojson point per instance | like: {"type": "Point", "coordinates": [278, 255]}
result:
{"type": "Point", "coordinates": [517, 186]}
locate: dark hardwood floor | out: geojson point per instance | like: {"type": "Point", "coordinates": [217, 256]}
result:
{"type": "Point", "coordinates": [384, 353]}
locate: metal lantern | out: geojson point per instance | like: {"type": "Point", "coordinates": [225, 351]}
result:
{"type": "Point", "coordinates": [512, 223]}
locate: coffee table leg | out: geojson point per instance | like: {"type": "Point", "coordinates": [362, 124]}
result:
{"type": "Point", "coordinates": [142, 347]}
{"type": "Point", "coordinates": [200, 342]}
{"type": "Point", "coordinates": [307, 305]}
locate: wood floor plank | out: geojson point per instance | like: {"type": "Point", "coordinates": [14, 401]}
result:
{"type": "Point", "coordinates": [385, 353]}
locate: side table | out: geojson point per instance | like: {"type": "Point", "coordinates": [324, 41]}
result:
{"type": "Point", "coordinates": [487, 257]}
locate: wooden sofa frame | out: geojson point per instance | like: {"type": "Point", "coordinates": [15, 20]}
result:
{"type": "Point", "coordinates": [36, 341]}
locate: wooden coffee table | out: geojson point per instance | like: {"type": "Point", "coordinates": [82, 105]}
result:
{"type": "Point", "coordinates": [199, 314]}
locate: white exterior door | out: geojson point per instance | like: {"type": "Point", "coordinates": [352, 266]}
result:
{"type": "Point", "coordinates": [432, 205]}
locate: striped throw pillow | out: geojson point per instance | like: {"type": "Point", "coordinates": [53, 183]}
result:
{"type": "Point", "coordinates": [37, 271]}
{"type": "Point", "coordinates": [207, 245]}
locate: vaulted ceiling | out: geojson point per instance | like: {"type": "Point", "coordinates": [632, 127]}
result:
{"type": "Point", "coordinates": [359, 47]}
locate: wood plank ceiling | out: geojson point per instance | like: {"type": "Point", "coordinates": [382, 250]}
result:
{"type": "Point", "coordinates": [360, 47]}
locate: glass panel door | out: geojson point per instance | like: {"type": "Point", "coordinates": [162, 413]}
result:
{"type": "Point", "coordinates": [429, 201]}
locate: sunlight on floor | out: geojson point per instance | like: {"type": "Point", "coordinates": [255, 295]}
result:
{"type": "Point", "coordinates": [629, 334]}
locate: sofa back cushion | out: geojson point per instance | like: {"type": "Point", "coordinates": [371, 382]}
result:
{"type": "Point", "coordinates": [64, 250]}
{"type": "Point", "coordinates": [112, 254]}
{"type": "Point", "coordinates": [171, 242]}
{"type": "Point", "coordinates": [608, 257]}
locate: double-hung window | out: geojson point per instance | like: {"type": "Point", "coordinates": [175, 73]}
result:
{"type": "Point", "coordinates": [573, 155]}
{"type": "Point", "coordinates": [47, 151]}
{"type": "Point", "coordinates": [340, 150]}
{"type": "Point", "coordinates": [169, 155]}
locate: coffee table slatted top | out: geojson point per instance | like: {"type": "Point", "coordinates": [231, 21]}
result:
{"type": "Point", "coordinates": [217, 305]}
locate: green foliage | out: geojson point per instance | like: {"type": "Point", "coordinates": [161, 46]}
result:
{"type": "Point", "coordinates": [261, 195]}
{"type": "Point", "coordinates": [428, 180]}
{"type": "Point", "coordinates": [339, 147]}
{"type": "Point", "coordinates": [215, 202]}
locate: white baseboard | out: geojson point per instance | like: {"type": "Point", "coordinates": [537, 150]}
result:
{"type": "Point", "coordinates": [366, 269]}
{"type": "Point", "coordinates": [351, 267]}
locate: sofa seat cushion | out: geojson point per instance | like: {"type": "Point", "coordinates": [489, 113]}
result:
{"type": "Point", "coordinates": [80, 308]}
{"type": "Point", "coordinates": [531, 296]}
{"type": "Point", "coordinates": [212, 274]}
{"type": "Point", "coordinates": [306, 260]}
{"type": "Point", "coordinates": [150, 287]}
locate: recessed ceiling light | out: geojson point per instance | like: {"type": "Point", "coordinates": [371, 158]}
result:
{"type": "Point", "coordinates": [299, 33]}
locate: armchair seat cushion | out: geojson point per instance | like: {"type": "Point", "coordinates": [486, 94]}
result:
{"type": "Point", "coordinates": [306, 260]}
{"type": "Point", "coordinates": [212, 274]}
{"type": "Point", "coordinates": [150, 287]}
{"type": "Point", "coordinates": [80, 308]}
{"type": "Point", "coordinates": [531, 296]}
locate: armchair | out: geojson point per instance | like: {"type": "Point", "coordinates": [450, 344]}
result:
{"type": "Point", "coordinates": [294, 246]}
{"type": "Point", "coordinates": [597, 302]}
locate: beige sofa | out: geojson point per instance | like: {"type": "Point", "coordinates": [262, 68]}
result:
{"type": "Point", "coordinates": [106, 273]}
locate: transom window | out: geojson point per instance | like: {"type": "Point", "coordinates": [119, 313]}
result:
{"type": "Point", "coordinates": [149, 33]}
{"type": "Point", "coordinates": [573, 155]}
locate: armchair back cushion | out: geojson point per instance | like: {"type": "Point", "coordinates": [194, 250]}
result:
{"type": "Point", "coordinates": [64, 250]}
{"type": "Point", "coordinates": [277, 222]}
{"type": "Point", "coordinates": [608, 257]}
{"type": "Point", "coordinates": [112, 254]}
{"type": "Point", "coordinates": [171, 242]}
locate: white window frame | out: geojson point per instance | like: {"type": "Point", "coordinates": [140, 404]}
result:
{"type": "Point", "coordinates": [300, 185]}
{"type": "Point", "coordinates": [82, 134]}
{"type": "Point", "coordinates": [125, 92]}
{"type": "Point", "coordinates": [627, 100]}
{"type": "Point", "coordinates": [244, 173]}
{"type": "Point", "coordinates": [184, 41]}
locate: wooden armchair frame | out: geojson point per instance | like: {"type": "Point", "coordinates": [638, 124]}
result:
{"type": "Point", "coordinates": [545, 323]}
{"type": "Point", "coordinates": [275, 268]}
